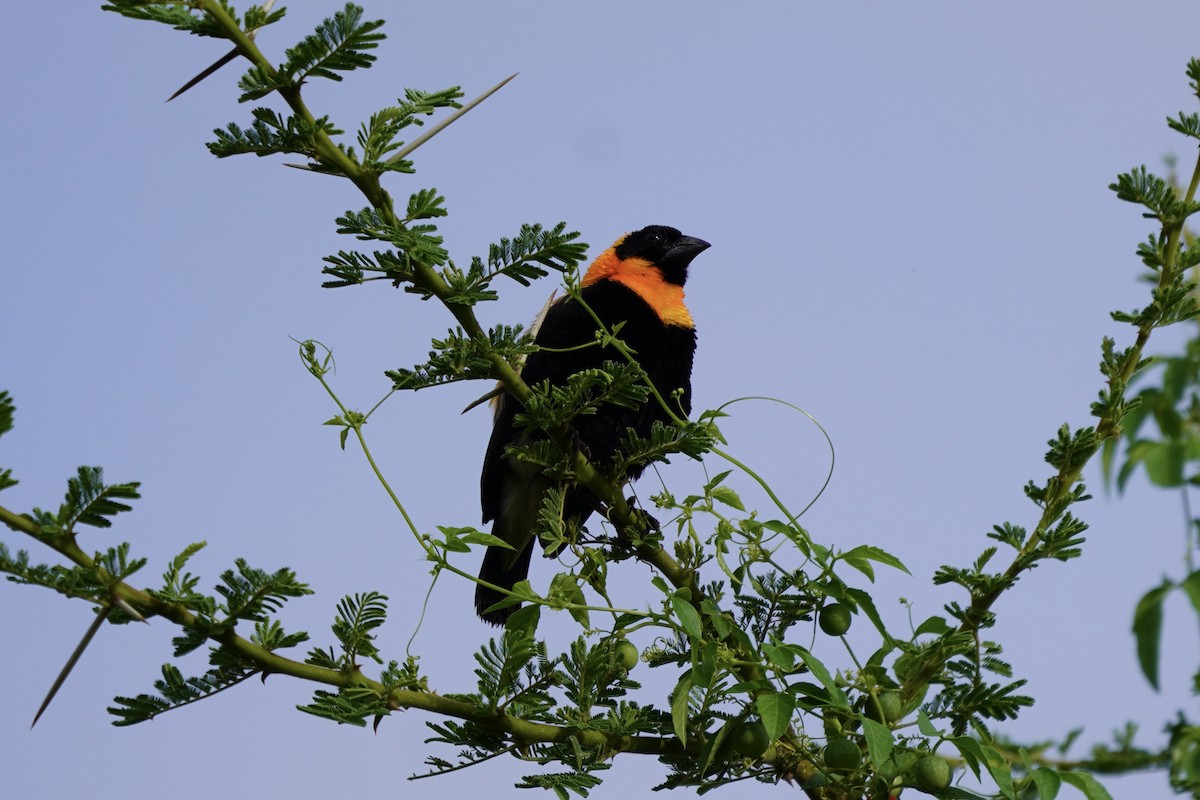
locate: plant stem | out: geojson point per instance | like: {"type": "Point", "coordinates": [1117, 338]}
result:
{"type": "Point", "coordinates": [269, 663]}
{"type": "Point", "coordinates": [1071, 471]}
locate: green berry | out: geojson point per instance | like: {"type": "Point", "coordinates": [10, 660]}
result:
{"type": "Point", "coordinates": [932, 774]}
{"type": "Point", "coordinates": [750, 739]}
{"type": "Point", "coordinates": [842, 755]}
{"type": "Point", "coordinates": [890, 703]}
{"type": "Point", "coordinates": [627, 654]}
{"type": "Point", "coordinates": [835, 619]}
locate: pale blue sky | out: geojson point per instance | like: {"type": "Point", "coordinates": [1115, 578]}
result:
{"type": "Point", "coordinates": [912, 239]}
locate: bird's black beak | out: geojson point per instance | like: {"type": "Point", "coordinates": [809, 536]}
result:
{"type": "Point", "coordinates": [687, 248]}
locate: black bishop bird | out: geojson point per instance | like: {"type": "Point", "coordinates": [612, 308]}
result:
{"type": "Point", "coordinates": [639, 282]}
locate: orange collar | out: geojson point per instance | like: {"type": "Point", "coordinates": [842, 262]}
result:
{"type": "Point", "coordinates": [645, 279]}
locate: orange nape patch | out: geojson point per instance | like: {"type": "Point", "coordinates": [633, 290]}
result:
{"type": "Point", "coordinates": [646, 279]}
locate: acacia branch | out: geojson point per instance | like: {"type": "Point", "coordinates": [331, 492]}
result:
{"type": "Point", "coordinates": [1108, 427]}
{"type": "Point", "coordinates": [268, 662]}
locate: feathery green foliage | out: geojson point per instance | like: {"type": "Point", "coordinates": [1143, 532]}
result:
{"type": "Point", "coordinates": [1161, 434]}
{"type": "Point", "coordinates": [339, 44]}
{"type": "Point", "coordinates": [176, 691]}
{"type": "Point", "coordinates": [74, 581]}
{"type": "Point", "coordinates": [181, 16]}
{"type": "Point", "coordinates": [357, 619]}
{"type": "Point", "coordinates": [89, 501]}
{"type": "Point", "coordinates": [7, 410]}
{"type": "Point", "coordinates": [271, 134]}
{"type": "Point", "coordinates": [458, 357]}
{"type": "Point", "coordinates": [584, 393]}
{"type": "Point", "coordinates": [761, 690]}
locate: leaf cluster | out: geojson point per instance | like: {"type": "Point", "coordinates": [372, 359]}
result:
{"type": "Point", "coordinates": [339, 44]}
{"type": "Point", "coordinates": [458, 357]}
{"type": "Point", "coordinates": [7, 411]}
{"type": "Point", "coordinates": [355, 704]}
{"type": "Point", "coordinates": [246, 594]}
{"type": "Point", "coordinates": [692, 439]}
{"type": "Point", "coordinates": [1161, 435]}
{"type": "Point", "coordinates": [193, 19]}
{"type": "Point", "coordinates": [583, 394]}
{"type": "Point", "coordinates": [84, 582]}
{"type": "Point", "coordinates": [89, 501]}
{"type": "Point", "coordinates": [581, 689]}
{"type": "Point", "coordinates": [358, 618]}
{"type": "Point", "coordinates": [175, 691]}
{"type": "Point", "coordinates": [273, 133]}
{"type": "Point", "coordinates": [416, 245]}
{"type": "Point", "coordinates": [378, 136]}
{"type": "Point", "coordinates": [758, 692]}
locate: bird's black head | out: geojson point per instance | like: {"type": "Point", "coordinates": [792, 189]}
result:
{"type": "Point", "coordinates": [666, 248]}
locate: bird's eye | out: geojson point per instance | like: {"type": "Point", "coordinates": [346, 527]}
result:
{"type": "Point", "coordinates": [655, 238]}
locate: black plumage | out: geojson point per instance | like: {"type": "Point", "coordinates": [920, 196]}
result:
{"type": "Point", "coordinates": [638, 282]}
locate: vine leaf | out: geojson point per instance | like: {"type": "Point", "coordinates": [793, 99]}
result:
{"type": "Point", "coordinates": [1147, 630]}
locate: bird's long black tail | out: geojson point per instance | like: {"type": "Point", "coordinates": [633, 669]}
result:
{"type": "Point", "coordinates": [497, 569]}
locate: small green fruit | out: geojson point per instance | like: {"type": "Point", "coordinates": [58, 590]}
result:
{"type": "Point", "coordinates": [932, 774]}
{"type": "Point", "coordinates": [750, 739]}
{"type": "Point", "coordinates": [627, 654]}
{"type": "Point", "coordinates": [890, 703]}
{"type": "Point", "coordinates": [842, 755]}
{"type": "Point", "coordinates": [835, 619]}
